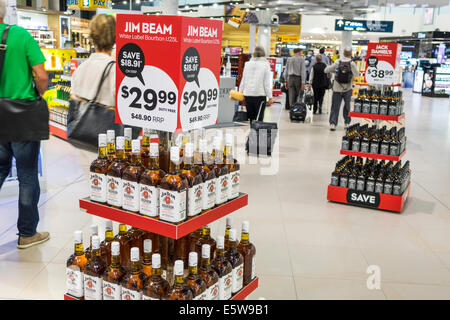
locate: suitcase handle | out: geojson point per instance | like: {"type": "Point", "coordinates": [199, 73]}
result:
{"type": "Point", "coordinates": [260, 106]}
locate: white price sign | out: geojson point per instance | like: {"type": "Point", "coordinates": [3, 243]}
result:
{"type": "Point", "coordinates": [383, 73]}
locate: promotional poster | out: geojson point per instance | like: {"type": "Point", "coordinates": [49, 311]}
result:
{"type": "Point", "coordinates": [383, 63]}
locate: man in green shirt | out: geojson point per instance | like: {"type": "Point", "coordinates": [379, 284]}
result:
{"type": "Point", "coordinates": [23, 69]}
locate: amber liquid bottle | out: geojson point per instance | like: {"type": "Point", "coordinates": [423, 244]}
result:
{"type": "Point", "coordinates": [224, 269]}
{"type": "Point", "coordinates": [75, 267]}
{"type": "Point", "coordinates": [125, 245]}
{"type": "Point", "coordinates": [127, 133]}
{"type": "Point", "coordinates": [94, 269]}
{"type": "Point", "coordinates": [233, 168]}
{"type": "Point", "coordinates": [113, 275]}
{"type": "Point", "coordinates": [94, 232]}
{"type": "Point", "coordinates": [145, 148]}
{"type": "Point", "coordinates": [205, 239]}
{"type": "Point", "coordinates": [193, 281]}
{"type": "Point", "coordinates": [114, 175]}
{"type": "Point", "coordinates": [194, 196]}
{"type": "Point", "coordinates": [164, 159]}
{"type": "Point", "coordinates": [130, 180]}
{"type": "Point", "coordinates": [179, 291]}
{"type": "Point", "coordinates": [237, 261]}
{"type": "Point", "coordinates": [155, 288]}
{"type": "Point", "coordinates": [149, 185]}
{"type": "Point", "coordinates": [147, 258]}
{"type": "Point", "coordinates": [136, 236]}
{"type": "Point", "coordinates": [105, 246]}
{"type": "Point", "coordinates": [248, 251]}
{"type": "Point", "coordinates": [133, 281]}
{"type": "Point", "coordinates": [193, 238]}
{"type": "Point", "coordinates": [208, 176]}
{"type": "Point", "coordinates": [229, 226]}
{"type": "Point", "coordinates": [208, 274]}
{"type": "Point", "coordinates": [111, 145]}
{"type": "Point", "coordinates": [221, 171]}
{"type": "Point", "coordinates": [182, 249]}
{"type": "Point", "coordinates": [98, 170]}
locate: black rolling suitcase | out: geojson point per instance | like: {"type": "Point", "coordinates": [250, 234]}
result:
{"type": "Point", "coordinates": [261, 138]}
{"type": "Point", "coordinates": [298, 109]}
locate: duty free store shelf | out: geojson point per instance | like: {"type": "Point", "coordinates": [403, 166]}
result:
{"type": "Point", "coordinates": [240, 295]}
{"type": "Point", "coordinates": [376, 116]}
{"type": "Point", "coordinates": [372, 155]}
{"type": "Point", "coordinates": [167, 229]}
{"type": "Point", "coordinates": [58, 130]}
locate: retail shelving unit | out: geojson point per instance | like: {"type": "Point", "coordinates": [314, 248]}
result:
{"type": "Point", "coordinates": [372, 155]}
{"type": "Point", "coordinates": [58, 130]}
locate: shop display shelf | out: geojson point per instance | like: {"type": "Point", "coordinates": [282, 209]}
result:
{"type": "Point", "coordinates": [376, 116]}
{"type": "Point", "coordinates": [67, 78]}
{"type": "Point", "coordinates": [64, 102]}
{"type": "Point", "coordinates": [380, 201]}
{"type": "Point", "coordinates": [167, 229]}
{"type": "Point", "coordinates": [372, 155]}
{"type": "Point", "coordinates": [58, 130]}
{"type": "Point", "coordinates": [241, 295]}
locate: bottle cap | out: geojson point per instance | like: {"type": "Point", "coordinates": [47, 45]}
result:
{"type": "Point", "coordinates": [120, 143]}
{"type": "Point", "coordinates": [115, 248]}
{"type": "Point", "coordinates": [146, 132]}
{"type": "Point", "coordinates": [206, 250]}
{"type": "Point", "coordinates": [156, 261]}
{"type": "Point", "coordinates": [135, 146]}
{"type": "Point", "coordinates": [220, 242]}
{"type": "Point", "coordinates": [217, 143]}
{"type": "Point", "coordinates": [147, 246]}
{"type": "Point", "coordinates": [193, 259]}
{"type": "Point", "coordinates": [95, 242]}
{"type": "Point", "coordinates": [175, 154]}
{"type": "Point", "coordinates": [189, 150]}
{"type": "Point", "coordinates": [229, 222]}
{"type": "Point", "coordinates": [127, 133]}
{"type": "Point", "coordinates": [108, 225]}
{"type": "Point", "coordinates": [228, 139]}
{"type": "Point", "coordinates": [134, 254]}
{"type": "Point", "coordinates": [102, 140]}
{"type": "Point", "coordinates": [232, 235]}
{"type": "Point", "coordinates": [94, 229]}
{"type": "Point", "coordinates": [245, 227]}
{"type": "Point", "coordinates": [202, 146]}
{"type": "Point", "coordinates": [154, 149]}
{"type": "Point", "coordinates": [78, 236]}
{"type": "Point", "coordinates": [178, 268]}
{"type": "Point", "coordinates": [111, 134]}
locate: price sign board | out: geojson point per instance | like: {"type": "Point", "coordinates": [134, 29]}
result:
{"type": "Point", "coordinates": [383, 63]}
{"type": "Point", "coordinates": [167, 71]}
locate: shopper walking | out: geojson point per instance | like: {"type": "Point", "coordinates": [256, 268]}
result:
{"type": "Point", "coordinates": [325, 59]}
{"type": "Point", "coordinates": [319, 82]}
{"type": "Point", "coordinates": [23, 64]}
{"type": "Point", "coordinates": [295, 75]}
{"type": "Point", "coordinates": [86, 78]}
{"type": "Point", "coordinates": [256, 85]}
{"type": "Point", "coordinates": [309, 62]}
{"type": "Point", "coordinates": [345, 70]}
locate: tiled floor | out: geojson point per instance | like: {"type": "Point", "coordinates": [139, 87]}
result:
{"type": "Point", "coordinates": [306, 247]}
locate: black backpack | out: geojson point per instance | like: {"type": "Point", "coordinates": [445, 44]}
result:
{"type": "Point", "coordinates": [344, 72]}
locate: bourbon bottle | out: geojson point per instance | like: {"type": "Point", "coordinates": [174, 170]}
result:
{"type": "Point", "coordinates": [221, 171]}
{"type": "Point", "coordinates": [130, 180]}
{"type": "Point", "coordinates": [193, 238]}
{"type": "Point", "coordinates": [114, 175]}
{"type": "Point", "coordinates": [208, 274]}
{"type": "Point", "coordinates": [145, 148]}
{"type": "Point", "coordinates": [98, 170]}
{"type": "Point", "coordinates": [125, 245]}
{"type": "Point", "coordinates": [111, 145]}
{"type": "Point", "coordinates": [133, 281]}
{"type": "Point", "coordinates": [182, 249]}
{"type": "Point", "coordinates": [179, 290]}
{"type": "Point", "coordinates": [127, 133]}
{"type": "Point", "coordinates": [208, 176]}
{"type": "Point", "coordinates": [105, 245]}
{"type": "Point", "coordinates": [224, 269]}
{"type": "Point", "coordinates": [113, 275]}
{"type": "Point", "coordinates": [248, 251]}
{"type": "Point", "coordinates": [136, 236]}
{"type": "Point", "coordinates": [94, 232]}
{"type": "Point", "coordinates": [75, 267]}
{"type": "Point", "coordinates": [193, 281]}
{"type": "Point", "coordinates": [93, 287]}
{"type": "Point", "coordinates": [228, 227]}
{"type": "Point", "coordinates": [147, 258]}
{"type": "Point", "coordinates": [194, 195]}
{"type": "Point", "coordinates": [237, 261]}
{"type": "Point", "coordinates": [205, 239]}
{"type": "Point", "coordinates": [233, 168]}
{"type": "Point", "coordinates": [155, 288]}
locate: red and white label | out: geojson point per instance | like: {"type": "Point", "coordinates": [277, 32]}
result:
{"type": "Point", "coordinates": [222, 186]}
{"type": "Point", "coordinates": [235, 178]}
{"type": "Point", "coordinates": [93, 289]}
{"type": "Point", "coordinates": [213, 292]}
{"type": "Point", "coordinates": [149, 200]}
{"type": "Point", "coordinates": [128, 294]}
{"type": "Point", "coordinates": [172, 205]}
{"type": "Point", "coordinates": [225, 286]}
{"type": "Point", "coordinates": [209, 194]}
{"type": "Point", "coordinates": [195, 200]}
{"type": "Point", "coordinates": [74, 281]}
{"type": "Point", "coordinates": [97, 185]}
{"type": "Point", "coordinates": [130, 194]}
{"type": "Point", "coordinates": [383, 63]}
{"type": "Point", "coordinates": [114, 191]}
{"type": "Point", "coordinates": [111, 291]}
{"type": "Point", "coordinates": [238, 278]}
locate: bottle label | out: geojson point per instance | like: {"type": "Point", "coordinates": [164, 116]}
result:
{"type": "Point", "coordinates": [384, 148]}
{"type": "Point", "coordinates": [222, 185]}
{"type": "Point", "coordinates": [111, 291]}
{"type": "Point", "coordinates": [172, 205]}
{"type": "Point", "coordinates": [253, 267]}
{"type": "Point", "coordinates": [209, 194]}
{"type": "Point", "coordinates": [97, 187]}
{"type": "Point", "coordinates": [114, 194]}
{"type": "Point", "coordinates": [93, 288]}
{"type": "Point", "coordinates": [383, 109]}
{"type": "Point", "coordinates": [238, 278]}
{"type": "Point", "coordinates": [374, 147]}
{"type": "Point", "coordinates": [379, 187]}
{"type": "Point", "coordinates": [370, 186]}
{"type": "Point", "coordinates": [355, 145]}
{"type": "Point", "coordinates": [352, 183]}
{"type": "Point", "coordinates": [344, 182]}
{"type": "Point", "coordinates": [128, 294]}
{"type": "Point", "coordinates": [360, 184]}
{"type": "Point", "coordinates": [74, 281]}
{"type": "Point", "coordinates": [235, 178]}
{"type": "Point", "coordinates": [144, 297]}
{"type": "Point", "coordinates": [397, 190]}
{"type": "Point", "coordinates": [130, 195]}
{"type": "Point", "coordinates": [201, 296]}
{"type": "Point", "coordinates": [149, 200]}
{"type": "Point", "coordinates": [365, 146]}
{"type": "Point", "coordinates": [334, 180]}
{"type": "Point", "coordinates": [393, 150]}
{"type": "Point", "coordinates": [357, 106]}
{"type": "Point", "coordinates": [213, 292]}
{"type": "Point", "coordinates": [225, 286]}
{"type": "Point", "coordinates": [345, 144]}
{"type": "Point", "coordinates": [195, 200]}
{"type": "Point", "coordinates": [366, 107]}
{"type": "Point", "coordinates": [387, 187]}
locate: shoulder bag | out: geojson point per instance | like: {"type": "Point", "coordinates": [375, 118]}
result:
{"type": "Point", "coordinates": [21, 120]}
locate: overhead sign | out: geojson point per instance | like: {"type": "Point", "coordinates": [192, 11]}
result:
{"type": "Point", "coordinates": [88, 4]}
{"type": "Point", "coordinates": [167, 71]}
{"type": "Point", "coordinates": [363, 25]}
{"type": "Point", "coordinates": [288, 38]}
{"type": "Point", "coordinates": [383, 63]}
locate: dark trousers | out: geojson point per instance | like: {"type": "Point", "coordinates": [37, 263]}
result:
{"type": "Point", "coordinates": [295, 86]}
{"type": "Point", "coordinates": [253, 105]}
{"type": "Point", "coordinates": [336, 102]}
{"type": "Point", "coordinates": [26, 155]}
{"type": "Point", "coordinates": [319, 93]}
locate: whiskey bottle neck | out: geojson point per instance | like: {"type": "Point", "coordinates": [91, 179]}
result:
{"type": "Point", "coordinates": [128, 146]}
{"type": "Point", "coordinates": [111, 147]}
{"type": "Point", "coordinates": [115, 261]}
{"type": "Point", "coordinates": [206, 233]}
{"type": "Point", "coordinates": [228, 155]}
{"type": "Point", "coordinates": [122, 229]}
{"type": "Point", "coordinates": [102, 153]}
{"type": "Point", "coordinates": [145, 141]}
{"type": "Point", "coordinates": [174, 168]}
{"type": "Point", "coordinates": [193, 271]}
{"type": "Point", "coordinates": [188, 161]}
{"type": "Point", "coordinates": [179, 281]}
{"type": "Point", "coordinates": [135, 267]}
{"type": "Point", "coordinates": [147, 259]}
{"type": "Point", "coordinates": [120, 154]}
{"type": "Point", "coordinates": [245, 238]}
{"type": "Point", "coordinates": [135, 159]}
{"type": "Point", "coordinates": [205, 263]}
{"type": "Point", "coordinates": [79, 251]}
{"type": "Point", "coordinates": [109, 235]}
{"type": "Point", "coordinates": [156, 272]}
{"type": "Point", "coordinates": [154, 163]}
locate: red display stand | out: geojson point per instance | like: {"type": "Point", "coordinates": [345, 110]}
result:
{"type": "Point", "coordinates": [376, 116]}
{"type": "Point", "coordinates": [372, 155]}
{"type": "Point", "coordinates": [58, 130]}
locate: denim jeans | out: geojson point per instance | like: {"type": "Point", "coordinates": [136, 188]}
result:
{"type": "Point", "coordinates": [26, 155]}
{"type": "Point", "coordinates": [336, 102]}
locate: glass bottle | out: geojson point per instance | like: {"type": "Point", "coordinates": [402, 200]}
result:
{"type": "Point", "coordinates": [208, 175]}
{"type": "Point", "coordinates": [94, 232]}
{"type": "Point", "coordinates": [224, 269]}
{"type": "Point", "coordinates": [125, 245]}
{"type": "Point", "coordinates": [164, 159]}
{"type": "Point", "coordinates": [111, 145]}
{"type": "Point", "coordinates": [208, 274]}
{"type": "Point", "coordinates": [155, 288]}
{"type": "Point", "coordinates": [136, 238]}
{"type": "Point", "coordinates": [147, 258]}
{"type": "Point", "coordinates": [194, 195]}
{"type": "Point", "coordinates": [248, 252]}
{"type": "Point", "coordinates": [105, 245]}
{"type": "Point", "coordinates": [221, 171]}
{"type": "Point", "coordinates": [98, 170]}
{"type": "Point", "coordinates": [228, 227]}
{"type": "Point", "coordinates": [133, 281]}
{"type": "Point", "coordinates": [94, 269]}
{"type": "Point", "coordinates": [179, 291]}
{"type": "Point", "coordinates": [233, 168]}
{"type": "Point", "coordinates": [113, 275]}
{"type": "Point", "coordinates": [237, 262]}
{"type": "Point", "coordinates": [182, 249]}
{"type": "Point", "coordinates": [75, 267]}
{"type": "Point", "coordinates": [130, 180]}
{"type": "Point", "coordinates": [193, 238]}
{"type": "Point", "coordinates": [114, 175]}
{"type": "Point", "coordinates": [205, 239]}
{"type": "Point", "coordinates": [127, 133]}
{"type": "Point", "coordinates": [193, 281]}
{"type": "Point", "coordinates": [145, 148]}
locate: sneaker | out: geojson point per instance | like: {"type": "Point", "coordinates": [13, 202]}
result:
{"type": "Point", "coordinates": [332, 127]}
{"type": "Point", "coordinates": [26, 242]}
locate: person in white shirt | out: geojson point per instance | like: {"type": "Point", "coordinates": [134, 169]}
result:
{"type": "Point", "coordinates": [256, 84]}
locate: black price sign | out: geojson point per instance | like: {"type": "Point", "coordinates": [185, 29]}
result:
{"type": "Point", "coordinates": [131, 61]}
{"type": "Point", "coordinates": [190, 65]}
{"type": "Point", "coordinates": [363, 198]}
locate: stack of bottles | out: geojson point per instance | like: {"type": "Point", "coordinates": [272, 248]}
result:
{"type": "Point", "coordinates": [371, 176]}
{"type": "Point", "coordinates": [386, 102]}
{"type": "Point", "coordinates": [362, 138]}
{"type": "Point", "coordinates": [136, 265]}
{"type": "Point", "coordinates": [63, 90]}
{"type": "Point", "coordinates": [134, 177]}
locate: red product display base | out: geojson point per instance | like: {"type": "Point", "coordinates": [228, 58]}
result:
{"type": "Point", "coordinates": [371, 200]}
{"type": "Point", "coordinates": [372, 155]}
{"type": "Point", "coordinates": [376, 116]}
{"type": "Point", "coordinates": [241, 295]}
{"type": "Point", "coordinates": [167, 229]}
{"type": "Point", "coordinates": [58, 130]}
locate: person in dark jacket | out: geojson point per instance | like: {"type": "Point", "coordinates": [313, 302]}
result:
{"type": "Point", "coordinates": [319, 82]}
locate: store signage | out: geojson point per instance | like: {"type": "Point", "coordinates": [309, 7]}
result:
{"type": "Point", "coordinates": [383, 63]}
{"type": "Point", "coordinates": [363, 25]}
{"type": "Point", "coordinates": [288, 38]}
{"type": "Point", "coordinates": [364, 198]}
{"type": "Point", "coordinates": [167, 71]}
{"type": "Point", "coordinates": [89, 4]}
